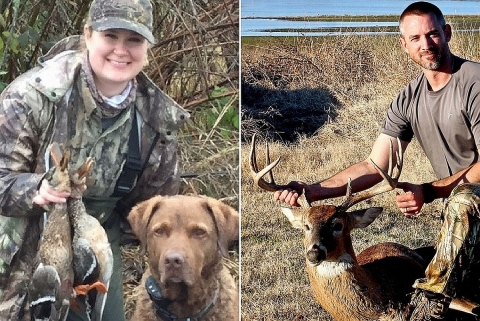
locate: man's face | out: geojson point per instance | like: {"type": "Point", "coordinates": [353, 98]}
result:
{"type": "Point", "coordinates": [425, 40]}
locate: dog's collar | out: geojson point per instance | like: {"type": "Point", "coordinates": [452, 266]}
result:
{"type": "Point", "coordinates": [160, 303]}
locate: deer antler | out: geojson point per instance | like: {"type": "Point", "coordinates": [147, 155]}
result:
{"type": "Point", "coordinates": [391, 179]}
{"type": "Point", "coordinates": [258, 175]}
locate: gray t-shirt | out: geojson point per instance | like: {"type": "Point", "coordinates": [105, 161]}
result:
{"type": "Point", "coordinates": [445, 122]}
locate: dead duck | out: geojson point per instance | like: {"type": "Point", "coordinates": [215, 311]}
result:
{"type": "Point", "coordinates": [51, 286]}
{"type": "Point", "coordinates": [92, 255]}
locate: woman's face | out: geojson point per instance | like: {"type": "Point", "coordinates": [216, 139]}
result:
{"type": "Point", "coordinates": [116, 57]}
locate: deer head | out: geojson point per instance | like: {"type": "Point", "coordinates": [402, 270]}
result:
{"type": "Point", "coordinates": [327, 227]}
{"type": "Point", "coordinates": [327, 230]}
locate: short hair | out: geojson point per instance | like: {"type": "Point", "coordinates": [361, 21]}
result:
{"type": "Point", "coordinates": [421, 8]}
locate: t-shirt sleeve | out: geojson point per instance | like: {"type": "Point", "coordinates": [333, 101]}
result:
{"type": "Point", "coordinates": [474, 111]}
{"type": "Point", "coordinates": [396, 122]}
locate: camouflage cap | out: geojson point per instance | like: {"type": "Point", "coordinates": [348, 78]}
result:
{"type": "Point", "coordinates": [134, 15]}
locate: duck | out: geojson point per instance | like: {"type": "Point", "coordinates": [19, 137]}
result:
{"type": "Point", "coordinates": [51, 286]}
{"type": "Point", "coordinates": [92, 254]}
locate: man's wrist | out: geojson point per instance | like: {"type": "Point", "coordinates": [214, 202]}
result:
{"type": "Point", "coordinates": [314, 192]}
{"type": "Point", "coordinates": [429, 194]}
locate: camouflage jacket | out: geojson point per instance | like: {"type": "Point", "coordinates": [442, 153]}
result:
{"type": "Point", "coordinates": [52, 103]}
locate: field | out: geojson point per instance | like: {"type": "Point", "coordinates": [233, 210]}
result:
{"type": "Point", "coordinates": [320, 103]}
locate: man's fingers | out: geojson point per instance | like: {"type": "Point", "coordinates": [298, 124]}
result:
{"type": "Point", "coordinates": [276, 195]}
{"type": "Point", "coordinates": [410, 212]}
{"type": "Point", "coordinates": [292, 198]}
{"type": "Point", "coordinates": [284, 195]}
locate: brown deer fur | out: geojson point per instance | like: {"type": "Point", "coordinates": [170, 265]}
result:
{"type": "Point", "coordinates": [348, 286]}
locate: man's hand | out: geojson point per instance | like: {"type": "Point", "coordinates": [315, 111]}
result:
{"type": "Point", "coordinates": [291, 193]}
{"type": "Point", "coordinates": [411, 202]}
{"type": "Point", "coordinates": [46, 194]}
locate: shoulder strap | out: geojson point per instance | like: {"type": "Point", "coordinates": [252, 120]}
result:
{"type": "Point", "coordinates": [133, 164]}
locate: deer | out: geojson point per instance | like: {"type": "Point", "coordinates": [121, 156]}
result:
{"type": "Point", "coordinates": [374, 284]}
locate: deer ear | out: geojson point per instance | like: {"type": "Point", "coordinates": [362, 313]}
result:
{"type": "Point", "coordinates": [363, 218]}
{"type": "Point", "coordinates": [295, 216]}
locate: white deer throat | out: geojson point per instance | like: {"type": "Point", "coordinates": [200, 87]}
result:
{"type": "Point", "coordinates": [330, 269]}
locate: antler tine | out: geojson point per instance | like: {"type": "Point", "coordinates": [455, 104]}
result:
{"type": "Point", "coordinates": [399, 158]}
{"type": "Point", "coordinates": [258, 175]}
{"type": "Point", "coordinates": [391, 179]}
{"type": "Point", "coordinates": [270, 173]}
{"type": "Point", "coordinates": [388, 176]}
{"type": "Point", "coordinates": [349, 188]}
{"type": "Point", "coordinates": [302, 200]}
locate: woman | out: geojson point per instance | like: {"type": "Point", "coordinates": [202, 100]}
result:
{"type": "Point", "coordinates": [98, 103]}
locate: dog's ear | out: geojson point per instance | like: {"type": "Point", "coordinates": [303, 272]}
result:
{"type": "Point", "coordinates": [140, 215]}
{"type": "Point", "coordinates": [227, 220]}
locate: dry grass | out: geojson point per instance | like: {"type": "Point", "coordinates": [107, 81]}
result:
{"type": "Point", "coordinates": [274, 280]}
{"type": "Point", "coordinates": [348, 84]}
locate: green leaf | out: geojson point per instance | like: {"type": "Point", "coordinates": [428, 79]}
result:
{"type": "Point", "coordinates": [24, 40]}
{"type": "Point", "coordinates": [3, 24]}
{"type": "Point", "coordinates": [236, 121]}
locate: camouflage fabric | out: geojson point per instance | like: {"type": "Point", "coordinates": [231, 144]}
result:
{"type": "Point", "coordinates": [51, 103]}
{"type": "Point", "coordinates": [134, 15]}
{"type": "Point", "coordinates": [14, 284]}
{"type": "Point", "coordinates": [427, 306]}
{"type": "Point", "coordinates": [455, 269]}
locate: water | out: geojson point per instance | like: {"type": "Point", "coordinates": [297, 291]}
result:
{"type": "Point", "coordinates": [270, 9]}
{"type": "Point", "coordinates": [271, 27]}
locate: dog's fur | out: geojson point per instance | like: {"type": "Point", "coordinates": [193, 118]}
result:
{"type": "Point", "coordinates": [185, 255]}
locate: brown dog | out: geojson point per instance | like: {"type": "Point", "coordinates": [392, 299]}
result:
{"type": "Point", "coordinates": [185, 238]}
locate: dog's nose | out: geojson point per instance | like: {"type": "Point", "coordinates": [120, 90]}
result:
{"type": "Point", "coordinates": [174, 260]}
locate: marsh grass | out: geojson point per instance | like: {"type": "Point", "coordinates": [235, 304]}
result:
{"type": "Point", "coordinates": [352, 80]}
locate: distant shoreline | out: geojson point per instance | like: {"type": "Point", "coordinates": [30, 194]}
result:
{"type": "Point", "coordinates": [459, 22]}
{"type": "Point", "coordinates": [369, 18]}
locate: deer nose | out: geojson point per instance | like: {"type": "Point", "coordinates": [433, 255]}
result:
{"type": "Point", "coordinates": [316, 254]}
{"type": "Point", "coordinates": [174, 260]}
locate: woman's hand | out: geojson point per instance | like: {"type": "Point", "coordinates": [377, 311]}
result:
{"type": "Point", "coordinates": [46, 194]}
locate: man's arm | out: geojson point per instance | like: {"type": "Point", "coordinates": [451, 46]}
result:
{"type": "Point", "coordinates": [417, 195]}
{"type": "Point", "coordinates": [363, 175]}
{"type": "Point", "coordinates": [442, 188]}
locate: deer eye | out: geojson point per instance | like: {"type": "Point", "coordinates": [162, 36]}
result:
{"type": "Point", "coordinates": [337, 227]}
{"type": "Point", "coordinates": [307, 227]}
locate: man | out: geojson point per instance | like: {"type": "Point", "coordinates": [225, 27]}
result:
{"type": "Point", "coordinates": [441, 108]}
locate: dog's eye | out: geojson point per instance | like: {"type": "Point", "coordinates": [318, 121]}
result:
{"type": "Point", "coordinates": [199, 232]}
{"type": "Point", "coordinates": [160, 231]}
